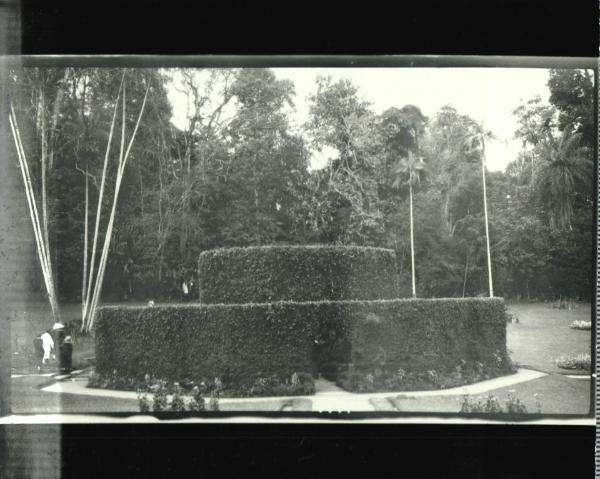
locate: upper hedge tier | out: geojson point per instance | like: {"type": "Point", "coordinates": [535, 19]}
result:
{"type": "Point", "coordinates": [263, 274]}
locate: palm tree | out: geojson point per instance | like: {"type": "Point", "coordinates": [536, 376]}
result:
{"type": "Point", "coordinates": [564, 165]}
{"type": "Point", "coordinates": [408, 170]}
{"type": "Point", "coordinates": [482, 136]}
{"type": "Point", "coordinates": [476, 142]}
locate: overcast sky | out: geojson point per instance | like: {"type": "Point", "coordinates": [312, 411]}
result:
{"type": "Point", "coordinates": [485, 94]}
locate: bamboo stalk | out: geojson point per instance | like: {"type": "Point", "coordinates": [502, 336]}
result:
{"type": "Point", "coordinates": [104, 254]}
{"type": "Point", "coordinates": [487, 233]}
{"type": "Point", "coordinates": [45, 229]}
{"type": "Point", "coordinates": [108, 236]}
{"type": "Point", "coordinates": [40, 246]}
{"type": "Point", "coordinates": [29, 187]}
{"type": "Point", "coordinates": [412, 242]}
{"type": "Point", "coordinates": [30, 203]}
{"type": "Point", "coordinates": [99, 208]}
{"type": "Point", "coordinates": [85, 243]}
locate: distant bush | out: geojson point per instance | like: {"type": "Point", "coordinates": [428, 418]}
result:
{"type": "Point", "coordinates": [256, 348]}
{"type": "Point", "coordinates": [511, 317]}
{"type": "Point", "coordinates": [263, 274]}
{"type": "Point", "coordinates": [582, 325]}
{"type": "Point", "coordinates": [575, 362]}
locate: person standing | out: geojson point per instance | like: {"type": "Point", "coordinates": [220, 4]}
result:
{"type": "Point", "coordinates": [47, 345]}
{"type": "Point", "coordinates": [38, 351]}
{"type": "Point", "coordinates": [58, 335]}
{"type": "Point", "coordinates": [66, 354]}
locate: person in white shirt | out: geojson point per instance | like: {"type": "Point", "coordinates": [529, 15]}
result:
{"type": "Point", "coordinates": [48, 345]}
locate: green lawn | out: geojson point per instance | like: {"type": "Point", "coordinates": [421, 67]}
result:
{"type": "Point", "coordinates": [557, 394]}
{"type": "Point", "coordinates": [543, 334]}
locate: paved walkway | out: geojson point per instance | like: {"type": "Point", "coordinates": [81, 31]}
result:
{"type": "Point", "coordinates": [328, 398]}
{"type": "Point", "coordinates": [54, 393]}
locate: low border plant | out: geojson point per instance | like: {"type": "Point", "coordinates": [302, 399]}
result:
{"type": "Point", "coordinates": [491, 404]}
{"type": "Point", "coordinates": [298, 384]}
{"type": "Point", "coordinates": [581, 362]}
{"type": "Point", "coordinates": [155, 397]}
{"type": "Point", "coordinates": [581, 325]}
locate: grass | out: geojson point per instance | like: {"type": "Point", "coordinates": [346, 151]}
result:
{"type": "Point", "coordinates": [543, 334]}
{"type": "Point", "coordinates": [556, 394]}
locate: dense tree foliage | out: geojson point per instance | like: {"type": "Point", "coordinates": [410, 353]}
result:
{"type": "Point", "coordinates": [239, 174]}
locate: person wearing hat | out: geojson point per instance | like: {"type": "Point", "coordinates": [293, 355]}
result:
{"type": "Point", "coordinates": [47, 345]}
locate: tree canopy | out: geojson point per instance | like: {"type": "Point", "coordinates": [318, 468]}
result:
{"type": "Point", "coordinates": [238, 174]}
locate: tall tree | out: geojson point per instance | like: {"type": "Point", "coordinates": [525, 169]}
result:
{"type": "Point", "coordinates": [403, 128]}
{"type": "Point", "coordinates": [482, 135]}
{"type": "Point", "coordinates": [409, 170]}
{"type": "Point", "coordinates": [342, 122]}
{"type": "Point", "coordinates": [572, 93]}
{"type": "Point", "coordinates": [268, 160]}
{"type": "Point", "coordinates": [564, 171]}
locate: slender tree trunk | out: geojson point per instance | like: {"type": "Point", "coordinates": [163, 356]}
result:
{"type": "Point", "coordinates": [487, 233]}
{"type": "Point", "coordinates": [532, 169]}
{"type": "Point", "coordinates": [412, 243]}
{"type": "Point", "coordinates": [85, 244]}
{"type": "Point", "coordinates": [44, 185]}
{"type": "Point", "coordinates": [141, 181]}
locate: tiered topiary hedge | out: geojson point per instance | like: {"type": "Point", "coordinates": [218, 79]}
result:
{"type": "Point", "coordinates": [297, 273]}
{"type": "Point", "coordinates": [239, 343]}
{"type": "Point", "coordinates": [270, 312]}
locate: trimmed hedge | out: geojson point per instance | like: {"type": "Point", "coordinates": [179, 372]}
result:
{"type": "Point", "coordinates": [239, 343]}
{"type": "Point", "coordinates": [265, 274]}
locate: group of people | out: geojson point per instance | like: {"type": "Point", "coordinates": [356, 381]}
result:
{"type": "Point", "coordinates": [47, 344]}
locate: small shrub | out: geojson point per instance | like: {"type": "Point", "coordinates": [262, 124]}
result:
{"type": "Point", "coordinates": [160, 401]}
{"type": "Point", "coordinates": [491, 404]}
{"type": "Point", "coordinates": [143, 401]}
{"type": "Point", "coordinates": [514, 405]}
{"type": "Point", "coordinates": [575, 362]}
{"type": "Point", "coordinates": [177, 402]}
{"type": "Point", "coordinates": [213, 403]}
{"type": "Point", "coordinates": [197, 402]}
{"type": "Point", "coordinates": [582, 325]}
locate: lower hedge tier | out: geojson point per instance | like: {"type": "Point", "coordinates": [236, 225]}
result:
{"type": "Point", "coordinates": [240, 343]}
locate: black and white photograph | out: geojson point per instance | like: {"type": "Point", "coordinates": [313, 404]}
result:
{"type": "Point", "coordinates": [388, 241]}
